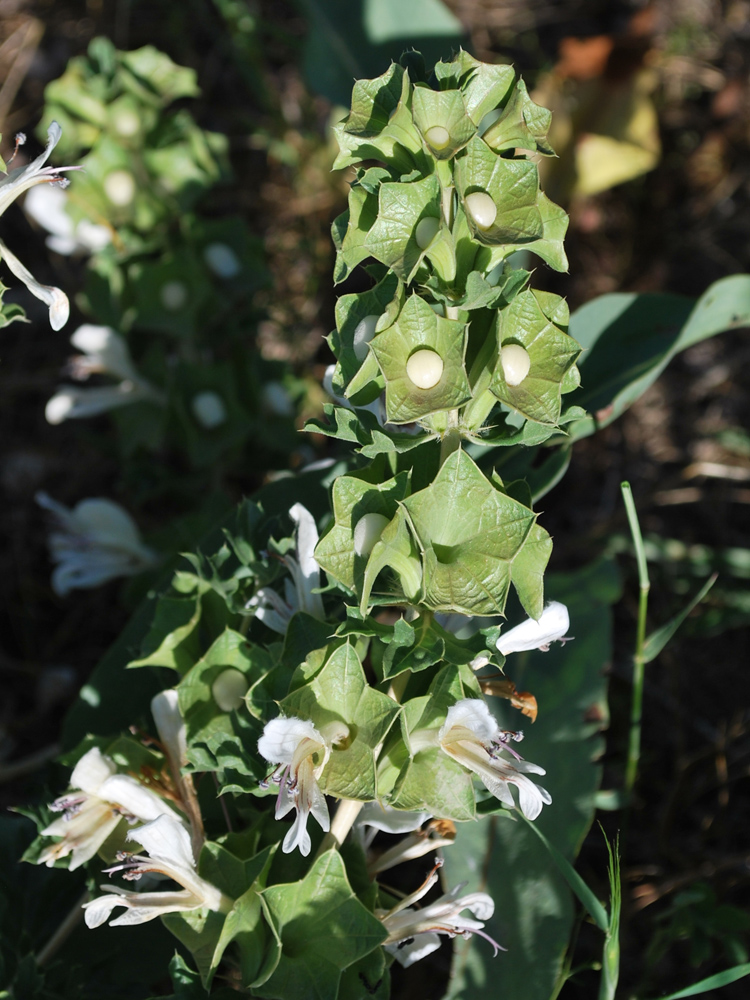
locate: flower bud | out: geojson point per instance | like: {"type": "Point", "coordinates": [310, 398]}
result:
{"type": "Point", "coordinates": [481, 208]}
{"type": "Point", "coordinates": [126, 122]}
{"type": "Point", "coordinates": [367, 532]}
{"type": "Point", "coordinates": [222, 260]}
{"type": "Point", "coordinates": [209, 409]}
{"type": "Point", "coordinates": [425, 368]}
{"type": "Point", "coordinates": [119, 187]}
{"type": "Point", "coordinates": [516, 363]}
{"type": "Point", "coordinates": [229, 689]}
{"type": "Point", "coordinates": [438, 136]}
{"type": "Point", "coordinates": [365, 331]}
{"type": "Point", "coordinates": [173, 295]}
{"type": "Point", "coordinates": [426, 231]}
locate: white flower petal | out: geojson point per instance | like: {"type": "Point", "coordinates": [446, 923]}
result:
{"type": "Point", "coordinates": [472, 714]}
{"type": "Point", "coordinates": [390, 820]}
{"type": "Point", "coordinates": [165, 839]}
{"type": "Point", "coordinates": [54, 298]}
{"type": "Point", "coordinates": [281, 737]}
{"type": "Point", "coordinates": [165, 708]}
{"type": "Point", "coordinates": [551, 626]}
{"type": "Point", "coordinates": [408, 952]}
{"type": "Point", "coordinates": [91, 771]}
{"type": "Point", "coordinates": [309, 571]}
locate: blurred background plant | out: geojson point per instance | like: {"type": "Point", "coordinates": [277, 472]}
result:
{"type": "Point", "coordinates": [199, 236]}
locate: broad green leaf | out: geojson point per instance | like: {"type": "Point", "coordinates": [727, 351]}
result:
{"type": "Point", "coordinates": [353, 497]}
{"type": "Point", "coordinates": [629, 339]}
{"type": "Point", "coordinates": [552, 353]}
{"type": "Point", "coordinates": [172, 641]}
{"type": "Point", "coordinates": [395, 550]}
{"type": "Point", "coordinates": [443, 109]}
{"type": "Point", "coordinates": [549, 246]}
{"type": "Point", "coordinates": [534, 912]}
{"type": "Point", "coordinates": [323, 928]}
{"type": "Point", "coordinates": [152, 77]}
{"type": "Point", "coordinates": [200, 932]}
{"type": "Point", "coordinates": [249, 926]}
{"type": "Point", "coordinates": [379, 122]}
{"type": "Point", "coordinates": [203, 717]}
{"type": "Point", "coordinates": [351, 312]}
{"type": "Point", "coordinates": [350, 232]}
{"type": "Point", "coordinates": [392, 237]}
{"type": "Point", "coordinates": [340, 693]}
{"type": "Point", "coordinates": [470, 533]}
{"type": "Point", "coordinates": [484, 86]}
{"type": "Point", "coordinates": [522, 124]}
{"type": "Point", "coordinates": [419, 328]}
{"type": "Point", "coordinates": [513, 186]}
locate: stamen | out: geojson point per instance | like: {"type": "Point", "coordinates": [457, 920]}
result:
{"type": "Point", "coordinates": [20, 141]}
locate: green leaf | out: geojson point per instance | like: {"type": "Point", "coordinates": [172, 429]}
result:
{"type": "Point", "coordinates": [534, 916]}
{"type": "Point", "coordinates": [513, 186]}
{"type": "Point", "coordinates": [392, 237]}
{"type": "Point", "coordinates": [629, 339]}
{"type": "Point", "coordinates": [151, 76]}
{"type": "Point", "coordinates": [323, 928]}
{"type": "Point", "coordinates": [661, 636]}
{"type": "Point", "coordinates": [419, 328]}
{"type": "Point", "coordinates": [353, 497]}
{"type": "Point", "coordinates": [552, 353]}
{"type": "Point", "coordinates": [444, 109]}
{"type": "Point", "coordinates": [522, 124]}
{"type": "Point", "coordinates": [172, 641]}
{"type": "Point", "coordinates": [351, 311]}
{"type": "Point", "coordinates": [379, 122]}
{"type": "Point", "coordinates": [350, 232]}
{"type": "Point", "coordinates": [470, 534]}
{"type": "Point", "coordinates": [712, 982]}
{"type": "Point", "coordinates": [484, 86]}
{"type": "Point", "coordinates": [340, 693]}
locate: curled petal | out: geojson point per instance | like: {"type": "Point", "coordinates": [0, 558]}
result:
{"type": "Point", "coordinates": [54, 298]}
{"type": "Point", "coordinates": [552, 626]}
{"type": "Point", "coordinates": [281, 737]}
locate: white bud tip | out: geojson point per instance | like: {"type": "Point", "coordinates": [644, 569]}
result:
{"type": "Point", "coordinates": [367, 532]}
{"type": "Point", "coordinates": [229, 690]}
{"type": "Point", "coordinates": [426, 231]}
{"type": "Point", "coordinates": [425, 369]}
{"type": "Point", "coordinates": [222, 260]}
{"type": "Point", "coordinates": [481, 208]}
{"type": "Point", "coordinates": [126, 123]}
{"type": "Point", "coordinates": [363, 334]}
{"type": "Point", "coordinates": [58, 408]}
{"type": "Point", "coordinates": [209, 409]}
{"type": "Point", "coordinates": [119, 187]}
{"type": "Point", "coordinates": [516, 363]}
{"type": "Point", "coordinates": [438, 137]}
{"type": "Point", "coordinates": [173, 295]}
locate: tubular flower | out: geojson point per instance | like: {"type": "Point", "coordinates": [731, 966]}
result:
{"type": "Point", "coordinates": [551, 627]}
{"type": "Point", "coordinates": [414, 933]}
{"type": "Point", "coordinates": [99, 798]}
{"type": "Point", "coordinates": [46, 205]}
{"type": "Point", "coordinates": [104, 352]}
{"type": "Point", "coordinates": [300, 752]}
{"type": "Point", "coordinates": [299, 592]}
{"type": "Point", "coordinates": [472, 737]}
{"type": "Point", "coordinates": [93, 543]}
{"type": "Point", "coordinates": [168, 845]}
{"type": "Point", "coordinates": [11, 186]}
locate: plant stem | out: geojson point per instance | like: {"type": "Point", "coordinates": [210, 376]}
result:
{"type": "Point", "coordinates": [66, 928]}
{"type": "Point", "coordinates": [636, 709]}
{"type": "Point", "coordinates": [343, 821]}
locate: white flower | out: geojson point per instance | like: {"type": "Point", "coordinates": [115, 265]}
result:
{"type": "Point", "coordinates": [95, 542]}
{"type": "Point", "coordinates": [209, 409]}
{"type": "Point", "coordinates": [46, 206]}
{"type": "Point", "coordinates": [300, 752]}
{"type": "Point", "coordinates": [11, 186]}
{"type": "Point", "coordinates": [299, 592]}
{"type": "Point", "coordinates": [168, 845]}
{"type": "Point", "coordinates": [531, 634]}
{"type": "Point", "coordinates": [104, 352]}
{"type": "Point", "coordinates": [472, 736]}
{"type": "Point", "coordinates": [384, 818]}
{"type": "Point", "coordinates": [414, 933]}
{"type": "Point", "coordinates": [222, 260]}
{"type": "Point", "coordinates": [98, 799]}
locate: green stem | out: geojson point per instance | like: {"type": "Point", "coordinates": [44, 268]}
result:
{"type": "Point", "coordinates": [63, 932]}
{"type": "Point", "coordinates": [639, 663]}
